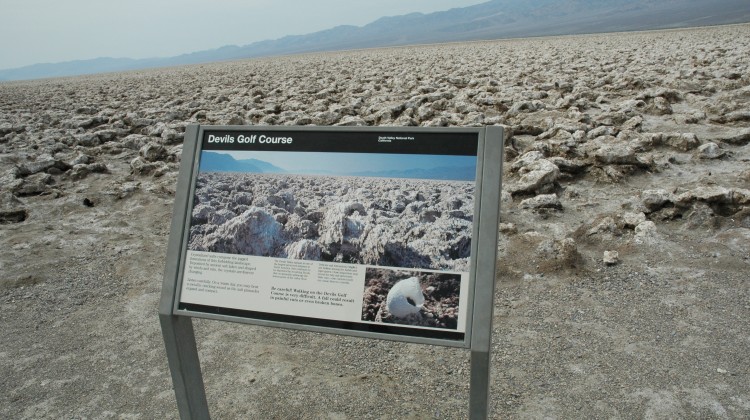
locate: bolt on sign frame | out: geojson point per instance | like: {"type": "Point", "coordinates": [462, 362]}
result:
{"type": "Point", "coordinates": [255, 272]}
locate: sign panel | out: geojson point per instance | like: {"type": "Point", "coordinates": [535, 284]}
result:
{"type": "Point", "coordinates": [356, 231]}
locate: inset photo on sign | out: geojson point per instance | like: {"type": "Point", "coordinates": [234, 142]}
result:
{"type": "Point", "coordinates": [381, 209]}
{"type": "Point", "coordinates": [414, 298]}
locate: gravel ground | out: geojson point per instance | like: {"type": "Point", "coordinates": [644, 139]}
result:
{"type": "Point", "coordinates": [635, 144]}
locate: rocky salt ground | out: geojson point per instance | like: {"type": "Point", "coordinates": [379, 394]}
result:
{"type": "Point", "coordinates": [374, 221]}
{"type": "Point", "coordinates": [624, 253]}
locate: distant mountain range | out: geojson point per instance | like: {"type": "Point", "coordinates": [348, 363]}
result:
{"type": "Point", "coordinates": [494, 19]}
{"type": "Point", "coordinates": [222, 162]}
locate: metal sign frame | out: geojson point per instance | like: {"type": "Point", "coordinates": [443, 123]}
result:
{"type": "Point", "coordinates": [176, 320]}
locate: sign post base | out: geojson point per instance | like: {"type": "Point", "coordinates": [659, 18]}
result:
{"type": "Point", "coordinates": [182, 354]}
{"type": "Point", "coordinates": [479, 392]}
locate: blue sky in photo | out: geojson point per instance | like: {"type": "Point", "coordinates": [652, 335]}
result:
{"type": "Point", "coordinates": [326, 162]}
{"type": "Point", "coordinates": [379, 164]}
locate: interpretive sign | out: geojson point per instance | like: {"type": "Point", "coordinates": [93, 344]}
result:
{"type": "Point", "coordinates": [375, 232]}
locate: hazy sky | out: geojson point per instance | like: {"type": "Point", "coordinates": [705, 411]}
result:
{"type": "Point", "coordinates": [48, 31]}
{"type": "Point", "coordinates": [305, 163]}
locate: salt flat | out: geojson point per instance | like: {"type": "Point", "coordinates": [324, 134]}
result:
{"type": "Point", "coordinates": [624, 255]}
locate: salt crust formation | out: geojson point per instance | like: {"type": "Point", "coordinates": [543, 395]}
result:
{"type": "Point", "coordinates": [378, 221]}
{"type": "Point", "coordinates": [631, 143]}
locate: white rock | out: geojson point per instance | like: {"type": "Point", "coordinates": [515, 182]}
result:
{"type": "Point", "coordinates": [535, 177]}
{"type": "Point", "coordinates": [405, 298]}
{"type": "Point", "coordinates": [631, 220]}
{"type": "Point", "coordinates": [304, 249]}
{"type": "Point", "coordinates": [615, 154]}
{"type": "Point", "coordinates": [654, 200]}
{"type": "Point", "coordinates": [611, 257]}
{"type": "Point", "coordinates": [709, 151]}
{"type": "Point", "coordinates": [153, 152]}
{"type": "Point", "coordinates": [682, 141]}
{"type": "Point", "coordinates": [543, 201]}
{"type": "Point", "coordinates": [646, 232]}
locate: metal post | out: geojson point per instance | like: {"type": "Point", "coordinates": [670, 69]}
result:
{"type": "Point", "coordinates": [481, 336]}
{"type": "Point", "coordinates": [179, 337]}
{"type": "Point", "coordinates": [182, 354]}
{"type": "Point", "coordinates": [479, 393]}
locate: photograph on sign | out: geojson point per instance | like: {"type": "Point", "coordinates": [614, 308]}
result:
{"type": "Point", "coordinates": [429, 299]}
{"type": "Point", "coordinates": [368, 231]}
